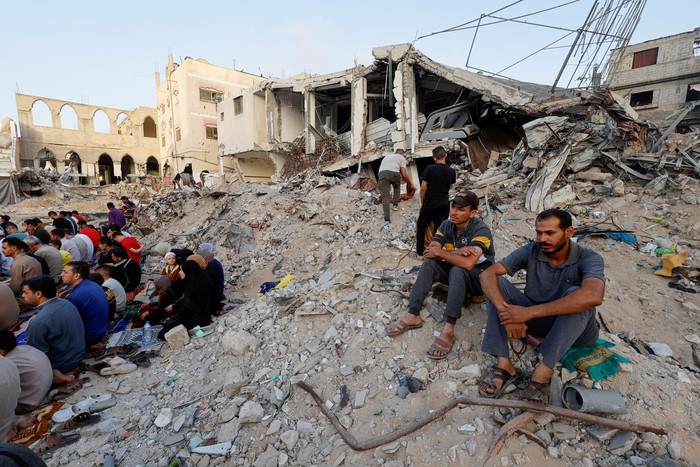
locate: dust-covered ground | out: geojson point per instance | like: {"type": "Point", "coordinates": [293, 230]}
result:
{"type": "Point", "coordinates": [326, 328]}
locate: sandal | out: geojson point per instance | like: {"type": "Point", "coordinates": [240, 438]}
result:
{"type": "Point", "coordinates": [400, 327]}
{"type": "Point", "coordinates": [79, 421]}
{"type": "Point", "coordinates": [536, 392]}
{"type": "Point", "coordinates": [70, 388]}
{"type": "Point", "coordinates": [439, 349]}
{"type": "Point", "coordinates": [141, 360]}
{"type": "Point", "coordinates": [508, 380]}
{"type": "Point", "coordinates": [52, 442]}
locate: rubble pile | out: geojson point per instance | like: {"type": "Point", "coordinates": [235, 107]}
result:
{"type": "Point", "coordinates": [229, 398]}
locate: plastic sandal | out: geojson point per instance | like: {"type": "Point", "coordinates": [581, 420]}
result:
{"type": "Point", "coordinates": [503, 375]}
{"type": "Point", "coordinates": [536, 392]}
{"type": "Point", "coordinates": [79, 421]}
{"type": "Point", "coordinates": [52, 442]}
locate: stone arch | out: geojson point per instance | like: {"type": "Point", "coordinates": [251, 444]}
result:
{"type": "Point", "coordinates": [69, 118]}
{"type": "Point", "coordinates": [128, 166]}
{"type": "Point", "coordinates": [41, 114]}
{"type": "Point", "coordinates": [149, 128]}
{"type": "Point", "coordinates": [123, 124]}
{"type": "Point", "coordinates": [152, 166]}
{"type": "Point", "coordinates": [100, 122]}
{"type": "Point", "coordinates": [105, 169]}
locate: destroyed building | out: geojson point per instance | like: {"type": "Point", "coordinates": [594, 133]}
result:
{"type": "Point", "coordinates": [91, 144]}
{"type": "Point", "coordinates": [9, 158]}
{"type": "Point", "coordinates": [188, 100]}
{"type": "Point", "coordinates": [660, 76]}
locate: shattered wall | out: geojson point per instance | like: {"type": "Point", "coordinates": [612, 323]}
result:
{"type": "Point", "coordinates": [39, 143]}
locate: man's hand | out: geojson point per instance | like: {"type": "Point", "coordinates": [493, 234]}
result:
{"type": "Point", "coordinates": [516, 331]}
{"type": "Point", "coordinates": [514, 314]}
{"type": "Point", "coordinates": [470, 251]}
{"type": "Point", "coordinates": [433, 252]}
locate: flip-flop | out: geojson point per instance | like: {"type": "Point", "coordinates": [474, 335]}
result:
{"type": "Point", "coordinates": [91, 404]}
{"type": "Point", "coordinates": [441, 346]}
{"type": "Point", "coordinates": [70, 388]}
{"type": "Point", "coordinates": [508, 381]}
{"type": "Point", "coordinates": [201, 331]}
{"type": "Point", "coordinates": [52, 442]}
{"type": "Point", "coordinates": [401, 327]}
{"type": "Point", "coordinates": [121, 369]}
{"type": "Point", "coordinates": [79, 421]}
{"type": "Point", "coordinates": [141, 360]}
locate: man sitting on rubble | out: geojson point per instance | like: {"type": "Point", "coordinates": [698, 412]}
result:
{"type": "Point", "coordinates": [564, 284]}
{"type": "Point", "coordinates": [126, 271]}
{"type": "Point", "coordinates": [461, 248]}
{"type": "Point", "coordinates": [23, 267]}
{"type": "Point", "coordinates": [57, 329]}
{"type": "Point", "coordinates": [35, 373]}
{"type": "Point", "coordinates": [115, 216]}
{"type": "Point", "coordinates": [89, 298]}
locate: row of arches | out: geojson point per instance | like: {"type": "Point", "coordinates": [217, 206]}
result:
{"type": "Point", "coordinates": [105, 165]}
{"type": "Point", "coordinates": [41, 116]}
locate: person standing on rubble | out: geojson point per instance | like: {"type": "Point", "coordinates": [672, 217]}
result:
{"type": "Point", "coordinates": [461, 248]}
{"type": "Point", "coordinates": [391, 172]}
{"type": "Point", "coordinates": [436, 181]}
{"type": "Point", "coordinates": [564, 284]}
{"type": "Point", "coordinates": [115, 216]}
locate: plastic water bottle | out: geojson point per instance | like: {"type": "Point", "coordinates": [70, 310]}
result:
{"type": "Point", "coordinates": [147, 337]}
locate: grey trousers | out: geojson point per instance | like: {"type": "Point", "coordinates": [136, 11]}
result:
{"type": "Point", "coordinates": [388, 179]}
{"type": "Point", "coordinates": [559, 332]}
{"type": "Point", "coordinates": [460, 282]}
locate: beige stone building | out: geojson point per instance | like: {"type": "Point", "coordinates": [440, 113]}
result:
{"type": "Point", "coordinates": [660, 76]}
{"type": "Point", "coordinates": [188, 114]}
{"type": "Point", "coordinates": [126, 142]}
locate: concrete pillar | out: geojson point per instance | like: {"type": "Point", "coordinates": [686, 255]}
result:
{"type": "Point", "coordinates": [358, 114]}
{"type": "Point", "coordinates": [310, 119]}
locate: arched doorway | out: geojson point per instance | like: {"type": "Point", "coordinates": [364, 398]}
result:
{"type": "Point", "coordinates": [105, 170]}
{"type": "Point", "coordinates": [152, 166]}
{"type": "Point", "coordinates": [74, 166]}
{"type": "Point", "coordinates": [47, 160]}
{"type": "Point", "coordinates": [128, 166]}
{"type": "Point", "coordinates": [149, 128]}
{"type": "Point", "coordinates": [123, 124]}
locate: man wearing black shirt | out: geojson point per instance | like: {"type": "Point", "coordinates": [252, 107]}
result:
{"type": "Point", "coordinates": [434, 196]}
{"type": "Point", "coordinates": [60, 222]}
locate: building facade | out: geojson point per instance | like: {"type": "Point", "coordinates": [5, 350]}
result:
{"type": "Point", "coordinates": [660, 76]}
{"type": "Point", "coordinates": [125, 144]}
{"type": "Point", "coordinates": [188, 114]}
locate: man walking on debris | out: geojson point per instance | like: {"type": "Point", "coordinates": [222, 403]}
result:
{"type": "Point", "coordinates": [434, 196]}
{"type": "Point", "coordinates": [391, 172]}
{"type": "Point", "coordinates": [565, 282]}
{"type": "Point", "coordinates": [461, 248]}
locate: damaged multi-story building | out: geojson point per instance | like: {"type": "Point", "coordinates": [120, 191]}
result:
{"type": "Point", "coordinates": [660, 76]}
{"type": "Point", "coordinates": [349, 119]}
{"type": "Point", "coordinates": [90, 144]}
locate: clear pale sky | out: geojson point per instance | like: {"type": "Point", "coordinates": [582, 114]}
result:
{"type": "Point", "coordinates": [106, 53]}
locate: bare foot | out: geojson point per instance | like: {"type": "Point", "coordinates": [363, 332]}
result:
{"type": "Point", "coordinates": [60, 378]}
{"type": "Point", "coordinates": [25, 421]}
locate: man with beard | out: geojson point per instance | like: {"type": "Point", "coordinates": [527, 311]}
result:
{"type": "Point", "coordinates": [564, 284]}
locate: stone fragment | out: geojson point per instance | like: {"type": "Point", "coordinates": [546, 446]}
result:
{"type": "Point", "coordinates": [145, 400]}
{"type": "Point", "coordinates": [290, 438]}
{"type": "Point", "coordinates": [690, 306]}
{"type": "Point", "coordinates": [392, 447]}
{"type": "Point", "coordinates": [228, 431]}
{"type": "Point", "coordinates": [563, 431]}
{"type": "Point", "coordinates": [347, 370]}
{"type": "Point", "coordinates": [469, 374]}
{"type": "Point", "coordinates": [305, 427]}
{"type": "Point", "coordinates": [234, 381]}
{"type": "Point", "coordinates": [360, 397]}
{"type": "Point", "coordinates": [228, 413]}
{"type": "Point", "coordinates": [636, 460]}
{"type": "Point", "coordinates": [520, 458]}
{"type": "Point", "coordinates": [467, 428]}
{"type": "Point", "coordinates": [238, 342]}
{"type": "Point", "coordinates": [674, 450]}
{"type": "Point", "coordinates": [214, 449]}
{"type": "Point", "coordinates": [173, 439]}
{"type": "Point", "coordinates": [421, 374]}
{"type": "Point", "coordinates": [179, 421]}
{"type": "Point", "coordinates": [177, 337]}
{"type": "Point", "coordinates": [544, 436]}
{"type": "Point", "coordinates": [274, 427]}
{"type": "Point", "coordinates": [622, 442]}
{"type": "Point", "coordinates": [251, 412]}
{"type": "Point", "coordinates": [601, 433]}
{"type": "Point", "coordinates": [164, 417]}
{"type": "Point", "coordinates": [269, 458]}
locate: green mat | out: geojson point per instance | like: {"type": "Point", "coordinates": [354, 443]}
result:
{"type": "Point", "coordinates": [598, 360]}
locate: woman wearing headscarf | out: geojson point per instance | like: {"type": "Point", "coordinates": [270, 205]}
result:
{"type": "Point", "coordinates": [215, 271]}
{"type": "Point", "coordinates": [194, 308]}
{"type": "Point", "coordinates": [164, 295]}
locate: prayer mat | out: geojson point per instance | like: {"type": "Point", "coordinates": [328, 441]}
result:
{"type": "Point", "coordinates": [597, 360]}
{"type": "Point", "coordinates": [130, 336]}
{"type": "Point", "coordinates": [34, 433]}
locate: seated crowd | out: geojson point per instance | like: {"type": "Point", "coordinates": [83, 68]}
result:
{"type": "Point", "coordinates": [63, 284]}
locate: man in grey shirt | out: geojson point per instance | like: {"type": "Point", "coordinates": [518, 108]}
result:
{"type": "Point", "coordinates": [113, 285]}
{"type": "Point", "coordinates": [564, 284]}
{"type": "Point", "coordinates": [57, 329]}
{"type": "Point", "coordinates": [391, 171]}
{"type": "Point", "coordinates": [9, 390]}
{"type": "Point", "coordinates": [66, 243]}
{"type": "Point", "coordinates": [35, 374]}
{"type": "Point", "coordinates": [51, 255]}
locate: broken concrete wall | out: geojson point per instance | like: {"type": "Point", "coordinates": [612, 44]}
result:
{"type": "Point", "coordinates": [358, 113]}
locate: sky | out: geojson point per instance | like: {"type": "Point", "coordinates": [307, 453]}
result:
{"type": "Point", "coordinates": [106, 53]}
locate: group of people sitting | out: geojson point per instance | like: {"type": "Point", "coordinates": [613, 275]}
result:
{"type": "Point", "coordinates": [556, 309]}
{"type": "Point", "coordinates": [66, 282]}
